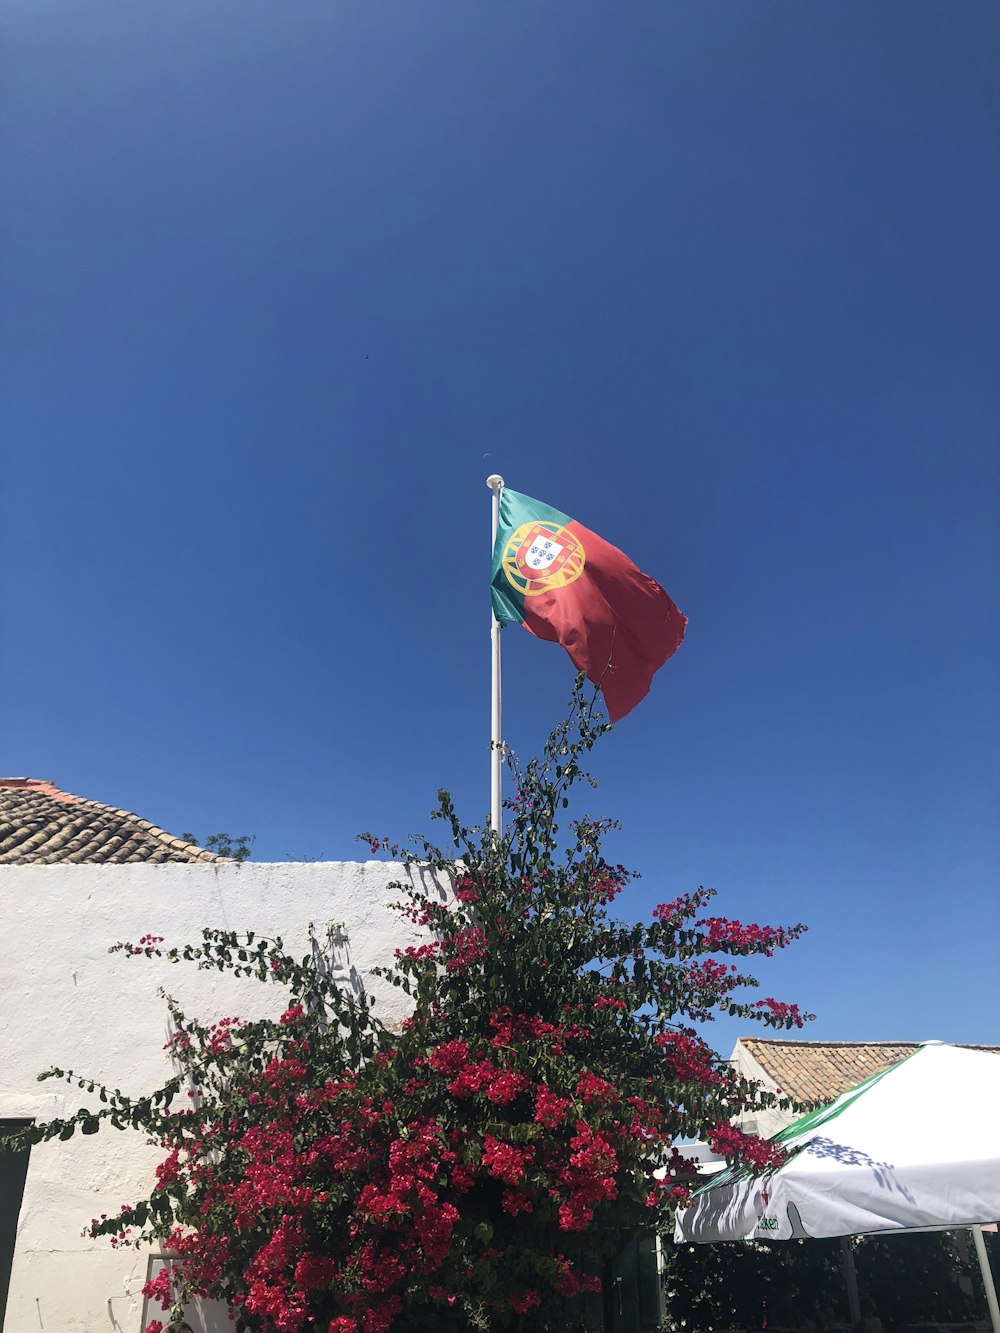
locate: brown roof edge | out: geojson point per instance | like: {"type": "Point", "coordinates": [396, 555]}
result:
{"type": "Point", "coordinates": [44, 786]}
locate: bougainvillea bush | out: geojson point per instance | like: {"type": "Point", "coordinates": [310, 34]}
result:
{"type": "Point", "coordinates": [475, 1169]}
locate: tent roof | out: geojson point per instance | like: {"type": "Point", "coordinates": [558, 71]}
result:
{"type": "Point", "coordinates": [914, 1147]}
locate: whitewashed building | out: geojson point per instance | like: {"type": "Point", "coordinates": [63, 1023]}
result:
{"type": "Point", "coordinates": [75, 877]}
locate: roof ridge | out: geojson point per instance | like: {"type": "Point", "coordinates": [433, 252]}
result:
{"type": "Point", "coordinates": [43, 786]}
{"type": "Point", "coordinates": [792, 1041]}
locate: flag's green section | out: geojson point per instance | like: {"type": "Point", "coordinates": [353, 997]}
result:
{"type": "Point", "coordinates": [515, 509]}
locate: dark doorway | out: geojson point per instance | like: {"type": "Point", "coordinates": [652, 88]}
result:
{"type": "Point", "coordinates": [13, 1170]}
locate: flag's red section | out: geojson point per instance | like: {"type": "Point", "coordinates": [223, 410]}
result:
{"type": "Point", "coordinates": [616, 623]}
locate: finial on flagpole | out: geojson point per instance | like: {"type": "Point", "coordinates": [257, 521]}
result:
{"type": "Point", "coordinates": [494, 482]}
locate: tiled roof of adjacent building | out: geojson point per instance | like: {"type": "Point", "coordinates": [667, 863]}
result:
{"type": "Point", "coordinates": [818, 1071]}
{"type": "Point", "coordinates": [40, 824]}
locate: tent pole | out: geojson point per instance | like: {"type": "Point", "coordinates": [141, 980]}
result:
{"type": "Point", "coordinates": [661, 1303]}
{"type": "Point", "coordinates": [984, 1268]}
{"type": "Point", "coordinates": [851, 1278]}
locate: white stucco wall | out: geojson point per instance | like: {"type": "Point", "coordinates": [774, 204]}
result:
{"type": "Point", "coordinates": [65, 1001]}
{"type": "Point", "coordinates": [768, 1122]}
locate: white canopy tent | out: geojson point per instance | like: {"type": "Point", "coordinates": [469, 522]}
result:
{"type": "Point", "coordinates": [915, 1148]}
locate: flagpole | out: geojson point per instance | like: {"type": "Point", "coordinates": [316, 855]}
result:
{"type": "Point", "coordinates": [495, 484]}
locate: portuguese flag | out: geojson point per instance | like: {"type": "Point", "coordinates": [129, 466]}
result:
{"type": "Point", "coordinates": [565, 584]}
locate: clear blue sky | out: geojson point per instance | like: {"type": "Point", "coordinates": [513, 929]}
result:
{"type": "Point", "coordinates": [283, 282]}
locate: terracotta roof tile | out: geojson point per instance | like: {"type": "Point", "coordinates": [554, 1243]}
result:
{"type": "Point", "coordinates": [42, 825]}
{"type": "Point", "coordinates": [818, 1071]}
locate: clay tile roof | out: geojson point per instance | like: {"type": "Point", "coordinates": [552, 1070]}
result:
{"type": "Point", "coordinates": [818, 1071]}
{"type": "Point", "coordinates": [42, 825]}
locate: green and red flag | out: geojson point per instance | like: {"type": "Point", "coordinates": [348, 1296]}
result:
{"type": "Point", "coordinates": [565, 584]}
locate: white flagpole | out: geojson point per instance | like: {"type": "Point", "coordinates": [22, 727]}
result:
{"type": "Point", "coordinates": [495, 484]}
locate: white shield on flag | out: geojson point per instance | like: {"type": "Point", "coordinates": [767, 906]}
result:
{"type": "Point", "coordinates": [542, 552]}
